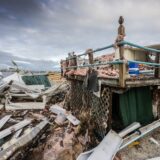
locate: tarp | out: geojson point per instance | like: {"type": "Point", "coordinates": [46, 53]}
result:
{"type": "Point", "coordinates": [136, 106]}
{"type": "Point", "coordinates": [36, 80]}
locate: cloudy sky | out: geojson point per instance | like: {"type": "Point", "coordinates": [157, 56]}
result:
{"type": "Point", "coordinates": [38, 33]}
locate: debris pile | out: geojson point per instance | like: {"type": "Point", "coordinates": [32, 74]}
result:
{"type": "Point", "coordinates": [25, 118]}
{"type": "Point", "coordinates": [36, 124]}
{"type": "Point", "coordinates": [19, 130]}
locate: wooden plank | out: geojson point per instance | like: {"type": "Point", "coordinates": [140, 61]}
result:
{"type": "Point", "coordinates": [22, 141]}
{"type": "Point", "coordinates": [138, 83]}
{"type": "Point", "coordinates": [4, 120]}
{"type": "Point", "coordinates": [114, 82]}
{"type": "Point", "coordinates": [14, 128]}
{"type": "Point", "coordinates": [110, 82]}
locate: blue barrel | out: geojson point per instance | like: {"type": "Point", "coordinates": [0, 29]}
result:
{"type": "Point", "coordinates": [133, 68]}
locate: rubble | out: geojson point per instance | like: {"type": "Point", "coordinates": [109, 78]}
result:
{"type": "Point", "coordinates": [62, 115]}
{"type": "Point", "coordinates": [145, 150]}
{"type": "Point", "coordinates": [110, 145]}
{"type": "Point", "coordinates": [22, 141]}
{"type": "Point", "coordinates": [34, 121]}
{"type": "Point", "coordinates": [24, 115]}
{"type": "Point", "coordinates": [88, 116]}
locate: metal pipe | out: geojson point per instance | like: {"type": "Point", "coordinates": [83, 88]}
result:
{"type": "Point", "coordinates": [97, 50]}
{"type": "Point", "coordinates": [103, 48]}
{"type": "Point", "coordinates": [147, 63]}
{"type": "Point", "coordinates": [146, 71]}
{"type": "Point", "coordinates": [141, 47]}
{"type": "Point", "coordinates": [97, 64]}
{"type": "Point", "coordinates": [94, 51]}
{"type": "Point", "coordinates": [114, 62]}
{"type": "Point", "coordinates": [120, 43]}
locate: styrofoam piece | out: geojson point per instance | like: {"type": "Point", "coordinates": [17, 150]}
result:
{"type": "Point", "coordinates": [57, 109]}
{"type": "Point", "coordinates": [73, 119]}
{"type": "Point", "coordinates": [60, 119]}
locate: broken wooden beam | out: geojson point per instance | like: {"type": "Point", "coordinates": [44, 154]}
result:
{"type": "Point", "coordinates": [14, 128]}
{"type": "Point", "coordinates": [22, 141]}
{"type": "Point", "coordinates": [25, 105]}
{"type": "Point", "coordinates": [4, 120]}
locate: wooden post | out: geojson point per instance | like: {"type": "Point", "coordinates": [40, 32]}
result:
{"type": "Point", "coordinates": [61, 63]}
{"type": "Point", "coordinates": [74, 61]}
{"type": "Point", "coordinates": [157, 70]}
{"type": "Point", "coordinates": [69, 60]}
{"type": "Point", "coordinates": [122, 67]}
{"type": "Point", "coordinates": [90, 55]}
{"type": "Point", "coordinates": [67, 63]}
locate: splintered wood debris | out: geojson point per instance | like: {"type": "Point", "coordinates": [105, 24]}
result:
{"type": "Point", "coordinates": [35, 125]}
{"type": "Point", "coordinates": [25, 118]}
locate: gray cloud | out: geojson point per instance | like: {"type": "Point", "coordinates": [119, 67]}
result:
{"type": "Point", "coordinates": [26, 63]}
{"type": "Point", "coordinates": [49, 29]}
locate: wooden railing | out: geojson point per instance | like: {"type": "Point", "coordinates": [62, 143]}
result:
{"type": "Point", "coordinates": [71, 60]}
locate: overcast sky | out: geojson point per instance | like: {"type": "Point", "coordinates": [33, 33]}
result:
{"type": "Point", "coordinates": [37, 32]}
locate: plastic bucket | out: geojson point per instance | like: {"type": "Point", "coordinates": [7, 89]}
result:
{"type": "Point", "coordinates": [133, 68]}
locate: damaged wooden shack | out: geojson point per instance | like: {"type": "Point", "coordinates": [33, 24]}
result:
{"type": "Point", "coordinates": [108, 96]}
{"type": "Point", "coordinates": [114, 90]}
